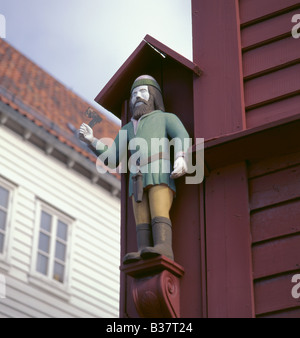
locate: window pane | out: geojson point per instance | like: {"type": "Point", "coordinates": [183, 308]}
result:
{"type": "Point", "coordinates": [60, 251]}
{"type": "Point", "coordinates": [3, 197]}
{"type": "Point", "coordinates": [58, 272]}
{"type": "Point", "coordinates": [2, 219]}
{"type": "Point", "coordinates": [1, 243]}
{"type": "Point", "coordinates": [44, 242]}
{"type": "Point", "coordinates": [42, 264]}
{"type": "Point", "coordinates": [62, 229]}
{"type": "Point", "coordinates": [46, 221]}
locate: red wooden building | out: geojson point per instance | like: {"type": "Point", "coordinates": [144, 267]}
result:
{"type": "Point", "coordinates": [237, 234]}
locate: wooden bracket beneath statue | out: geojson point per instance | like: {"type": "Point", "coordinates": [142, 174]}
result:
{"type": "Point", "coordinates": [156, 287]}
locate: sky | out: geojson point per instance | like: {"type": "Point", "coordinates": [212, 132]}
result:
{"type": "Point", "coordinates": [82, 43]}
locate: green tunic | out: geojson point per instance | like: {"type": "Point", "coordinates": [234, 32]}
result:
{"type": "Point", "coordinates": [148, 137]}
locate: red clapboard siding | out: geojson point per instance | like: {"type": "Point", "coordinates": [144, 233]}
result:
{"type": "Point", "coordinates": [272, 55]}
{"type": "Point", "coordinates": [274, 188]}
{"type": "Point", "coordinates": [251, 10]}
{"type": "Point", "coordinates": [276, 256]}
{"type": "Point", "coordinates": [272, 86]}
{"type": "Point", "coordinates": [273, 164]}
{"type": "Point", "coordinates": [274, 191]}
{"type": "Point", "coordinates": [276, 221]}
{"type": "Point", "coordinates": [267, 30]}
{"type": "Point", "coordinates": [274, 111]}
{"type": "Point", "coordinates": [274, 294]}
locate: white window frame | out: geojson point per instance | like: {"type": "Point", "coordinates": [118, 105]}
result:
{"type": "Point", "coordinates": [62, 289]}
{"type": "Point", "coordinates": [5, 255]}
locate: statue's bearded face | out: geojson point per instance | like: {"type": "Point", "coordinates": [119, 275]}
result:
{"type": "Point", "coordinates": [141, 102]}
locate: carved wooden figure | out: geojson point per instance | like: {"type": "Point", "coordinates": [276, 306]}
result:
{"type": "Point", "coordinates": [151, 179]}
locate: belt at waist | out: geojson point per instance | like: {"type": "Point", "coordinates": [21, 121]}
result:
{"type": "Point", "coordinates": [152, 158]}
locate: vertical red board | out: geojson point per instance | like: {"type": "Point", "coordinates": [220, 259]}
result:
{"type": "Point", "coordinates": [218, 93]}
{"type": "Point", "coordinates": [228, 243]}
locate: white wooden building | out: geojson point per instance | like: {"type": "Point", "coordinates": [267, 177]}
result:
{"type": "Point", "coordinates": [59, 218]}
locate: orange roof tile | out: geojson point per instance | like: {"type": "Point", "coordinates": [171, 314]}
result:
{"type": "Point", "coordinates": [41, 98]}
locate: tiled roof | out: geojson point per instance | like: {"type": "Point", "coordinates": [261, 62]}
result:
{"type": "Point", "coordinates": [44, 100]}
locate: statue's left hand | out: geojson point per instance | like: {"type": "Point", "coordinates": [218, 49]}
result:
{"type": "Point", "coordinates": [180, 168]}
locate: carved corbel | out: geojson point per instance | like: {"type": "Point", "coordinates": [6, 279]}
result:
{"type": "Point", "coordinates": [156, 287]}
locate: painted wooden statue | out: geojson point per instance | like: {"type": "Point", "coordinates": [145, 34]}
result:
{"type": "Point", "coordinates": [151, 180]}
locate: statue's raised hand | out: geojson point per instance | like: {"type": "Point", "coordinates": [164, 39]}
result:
{"type": "Point", "coordinates": [86, 133]}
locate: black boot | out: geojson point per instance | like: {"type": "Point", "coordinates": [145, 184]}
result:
{"type": "Point", "coordinates": [162, 238]}
{"type": "Point", "coordinates": [144, 239]}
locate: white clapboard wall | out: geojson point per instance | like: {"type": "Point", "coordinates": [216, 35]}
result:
{"type": "Point", "coordinates": [92, 288]}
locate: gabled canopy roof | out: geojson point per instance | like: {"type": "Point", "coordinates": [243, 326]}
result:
{"type": "Point", "coordinates": [149, 56]}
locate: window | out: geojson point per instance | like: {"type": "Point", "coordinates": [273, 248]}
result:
{"type": "Point", "coordinates": [52, 244]}
{"type": "Point", "coordinates": [6, 195]}
{"type": "Point", "coordinates": [4, 198]}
